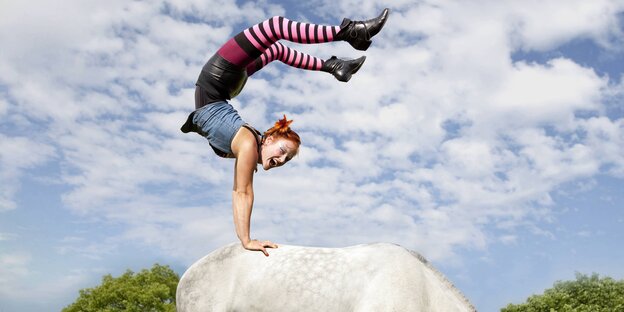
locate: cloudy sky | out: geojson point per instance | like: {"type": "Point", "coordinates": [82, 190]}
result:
{"type": "Point", "coordinates": [486, 135]}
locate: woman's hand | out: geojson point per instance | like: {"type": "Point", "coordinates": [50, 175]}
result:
{"type": "Point", "coordinates": [257, 245]}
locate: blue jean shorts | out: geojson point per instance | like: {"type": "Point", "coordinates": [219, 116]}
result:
{"type": "Point", "coordinates": [218, 122]}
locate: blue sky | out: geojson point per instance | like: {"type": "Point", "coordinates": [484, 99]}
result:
{"type": "Point", "coordinates": [486, 135]}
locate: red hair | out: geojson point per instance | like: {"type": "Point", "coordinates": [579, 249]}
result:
{"type": "Point", "coordinates": [281, 129]}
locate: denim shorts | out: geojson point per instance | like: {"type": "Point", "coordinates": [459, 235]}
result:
{"type": "Point", "coordinates": [218, 122]}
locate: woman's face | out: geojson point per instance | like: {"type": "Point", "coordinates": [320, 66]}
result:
{"type": "Point", "coordinates": [276, 152]}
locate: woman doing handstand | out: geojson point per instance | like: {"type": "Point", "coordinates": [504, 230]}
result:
{"type": "Point", "coordinates": [225, 74]}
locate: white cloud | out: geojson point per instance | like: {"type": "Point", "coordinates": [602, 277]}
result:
{"type": "Point", "coordinates": [508, 239]}
{"type": "Point", "coordinates": [4, 106]}
{"type": "Point", "coordinates": [606, 140]}
{"type": "Point", "coordinates": [7, 236]}
{"type": "Point", "coordinates": [13, 267]}
{"type": "Point", "coordinates": [534, 95]}
{"type": "Point", "coordinates": [19, 282]}
{"type": "Point", "coordinates": [18, 154]}
{"type": "Point", "coordinates": [545, 25]}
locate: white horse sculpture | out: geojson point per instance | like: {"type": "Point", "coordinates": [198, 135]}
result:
{"type": "Point", "coordinates": [373, 277]}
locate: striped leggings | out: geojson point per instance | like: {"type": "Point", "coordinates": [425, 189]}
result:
{"type": "Point", "coordinates": [257, 46]}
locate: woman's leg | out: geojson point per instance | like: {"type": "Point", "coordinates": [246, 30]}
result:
{"type": "Point", "coordinates": [249, 44]}
{"type": "Point", "coordinates": [341, 69]}
{"type": "Point", "coordinates": [286, 55]}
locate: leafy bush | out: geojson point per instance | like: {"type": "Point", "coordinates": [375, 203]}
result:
{"type": "Point", "coordinates": [146, 291]}
{"type": "Point", "coordinates": [585, 294]}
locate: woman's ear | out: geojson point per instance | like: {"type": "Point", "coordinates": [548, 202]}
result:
{"type": "Point", "coordinates": [268, 140]}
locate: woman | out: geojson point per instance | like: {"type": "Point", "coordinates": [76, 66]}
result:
{"type": "Point", "coordinates": [224, 76]}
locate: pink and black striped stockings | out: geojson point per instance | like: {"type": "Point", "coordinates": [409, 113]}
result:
{"type": "Point", "coordinates": [257, 46]}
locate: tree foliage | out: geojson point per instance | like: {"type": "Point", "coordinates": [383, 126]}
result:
{"type": "Point", "coordinates": [148, 290]}
{"type": "Point", "coordinates": [585, 294]}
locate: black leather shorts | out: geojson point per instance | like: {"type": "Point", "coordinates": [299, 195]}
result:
{"type": "Point", "coordinates": [219, 80]}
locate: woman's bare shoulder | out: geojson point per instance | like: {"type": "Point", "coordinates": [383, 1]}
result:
{"type": "Point", "coordinates": [244, 142]}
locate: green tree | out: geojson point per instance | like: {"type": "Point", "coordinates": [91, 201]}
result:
{"type": "Point", "coordinates": [585, 294]}
{"type": "Point", "coordinates": [148, 290]}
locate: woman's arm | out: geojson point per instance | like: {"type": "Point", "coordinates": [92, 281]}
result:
{"type": "Point", "coordinates": [242, 194]}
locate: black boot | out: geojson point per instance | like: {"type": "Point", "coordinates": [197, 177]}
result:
{"type": "Point", "coordinates": [189, 126]}
{"type": "Point", "coordinates": [342, 69]}
{"type": "Point", "coordinates": [359, 33]}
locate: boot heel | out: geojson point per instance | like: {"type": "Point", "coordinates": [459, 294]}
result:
{"type": "Point", "coordinates": [361, 45]}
